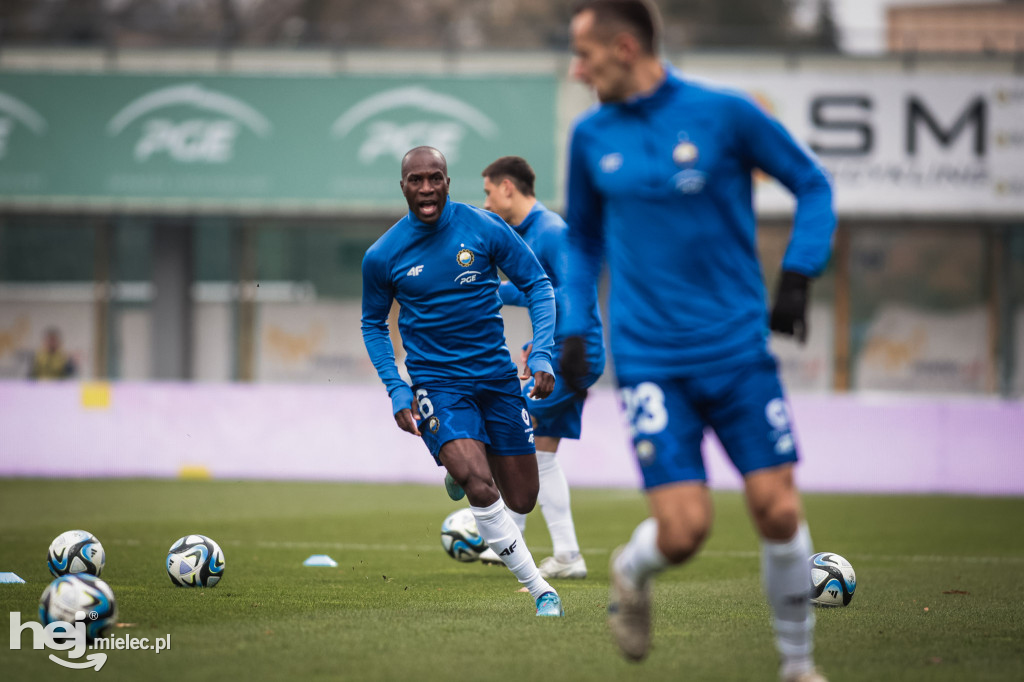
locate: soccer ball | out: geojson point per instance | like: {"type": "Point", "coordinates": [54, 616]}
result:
{"type": "Point", "coordinates": [832, 580]}
{"type": "Point", "coordinates": [81, 595]}
{"type": "Point", "coordinates": [195, 561]}
{"type": "Point", "coordinates": [76, 551]}
{"type": "Point", "coordinates": [460, 538]}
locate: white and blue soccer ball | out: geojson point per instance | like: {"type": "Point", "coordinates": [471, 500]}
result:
{"type": "Point", "coordinates": [195, 561]}
{"type": "Point", "coordinates": [75, 551]}
{"type": "Point", "coordinates": [460, 538]}
{"type": "Point", "coordinates": [79, 597]}
{"type": "Point", "coordinates": [833, 580]}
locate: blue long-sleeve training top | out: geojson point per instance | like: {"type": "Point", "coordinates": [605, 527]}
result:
{"type": "Point", "coordinates": [445, 278]}
{"type": "Point", "coordinates": [544, 232]}
{"type": "Point", "coordinates": [662, 187]}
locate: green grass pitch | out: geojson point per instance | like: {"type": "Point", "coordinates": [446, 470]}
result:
{"type": "Point", "coordinates": [940, 587]}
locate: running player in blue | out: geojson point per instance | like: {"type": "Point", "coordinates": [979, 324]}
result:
{"type": "Point", "coordinates": [660, 186]}
{"type": "Point", "coordinates": [440, 263]}
{"type": "Point", "coordinates": [509, 192]}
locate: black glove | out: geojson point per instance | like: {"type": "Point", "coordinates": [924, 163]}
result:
{"type": "Point", "coordinates": [573, 366]}
{"type": "Point", "coordinates": [789, 316]}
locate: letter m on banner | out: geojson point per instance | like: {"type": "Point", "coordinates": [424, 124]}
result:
{"type": "Point", "coordinates": [975, 114]}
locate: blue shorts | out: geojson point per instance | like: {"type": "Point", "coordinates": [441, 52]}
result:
{"type": "Point", "coordinates": [560, 415]}
{"type": "Point", "coordinates": [744, 406]}
{"type": "Point", "coordinates": [491, 411]}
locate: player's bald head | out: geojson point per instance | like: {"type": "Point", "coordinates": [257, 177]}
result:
{"type": "Point", "coordinates": [421, 155]}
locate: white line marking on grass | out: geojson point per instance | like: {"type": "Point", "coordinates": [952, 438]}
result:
{"type": "Point", "coordinates": [354, 546]}
{"type": "Point", "coordinates": [715, 554]}
{"type": "Point", "coordinates": [930, 558]}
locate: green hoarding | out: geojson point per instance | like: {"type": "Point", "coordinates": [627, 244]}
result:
{"type": "Point", "coordinates": [240, 142]}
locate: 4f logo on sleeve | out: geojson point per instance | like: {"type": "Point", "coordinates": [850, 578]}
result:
{"type": "Point", "coordinates": [414, 271]}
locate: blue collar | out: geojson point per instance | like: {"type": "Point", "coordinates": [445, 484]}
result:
{"type": "Point", "coordinates": [522, 227]}
{"type": "Point", "coordinates": [442, 221]}
{"type": "Point", "coordinates": [672, 82]}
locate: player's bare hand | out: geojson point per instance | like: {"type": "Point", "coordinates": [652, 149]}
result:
{"type": "Point", "coordinates": [526, 373]}
{"type": "Point", "coordinates": [406, 420]}
{"type": "Point", "coordinates": [543, 385]}
{"type": "Point", "coordinates": [525, 355]}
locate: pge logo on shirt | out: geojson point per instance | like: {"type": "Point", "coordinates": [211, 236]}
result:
{"type": "Point", "coordinates": [466, 277]}
{"type": "Point", "coordinates": [690, 181]}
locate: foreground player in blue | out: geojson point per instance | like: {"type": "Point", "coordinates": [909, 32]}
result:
{"type": "Point", "coordinates": [509, 192]}
{"type": "Point", "coordinates": [660, 185]}
{"type": "Point", "coordinates": [440, 263]}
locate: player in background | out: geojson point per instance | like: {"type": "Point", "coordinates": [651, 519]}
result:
{"type": "Point", "coordinates": [509, 192]}
{"type": "Point", "coordinates": [659, 185]}
{"type": "Point", "coordinates": [440, 262]}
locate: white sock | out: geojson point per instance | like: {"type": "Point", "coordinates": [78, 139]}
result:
{"type": "Point", "coordinates": [786, 578]}
{"type": "Point", "coordinates": [497, 528]}
{"type": "Point", "coordinates": [554, 505]}
{"type": "Point", "coordinates": [641, 559]}
{"type": "Point", "coordinates": [520, 519]}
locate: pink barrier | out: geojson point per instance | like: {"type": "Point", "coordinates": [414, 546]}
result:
{"type": "Point", "coordinates": [848, 443]}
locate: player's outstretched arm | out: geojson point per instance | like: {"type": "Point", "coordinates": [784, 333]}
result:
{"type": "Point", "coordinates": [376, 308]}
{"type": "Point", "coordinates": [584, 241]}
{"type": "Point", "coordinates": [771, 148]}
{"type": "Point", "coordinates": [517, 261]}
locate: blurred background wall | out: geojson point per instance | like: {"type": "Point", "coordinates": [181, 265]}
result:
{"type": "Point", "coordinates": [187, 187]}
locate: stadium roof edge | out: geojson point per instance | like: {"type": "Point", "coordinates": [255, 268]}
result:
{"type": "Point", "coordinates": [87, 207]}
{"type": "Point", "coordinates": [327, 62]}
